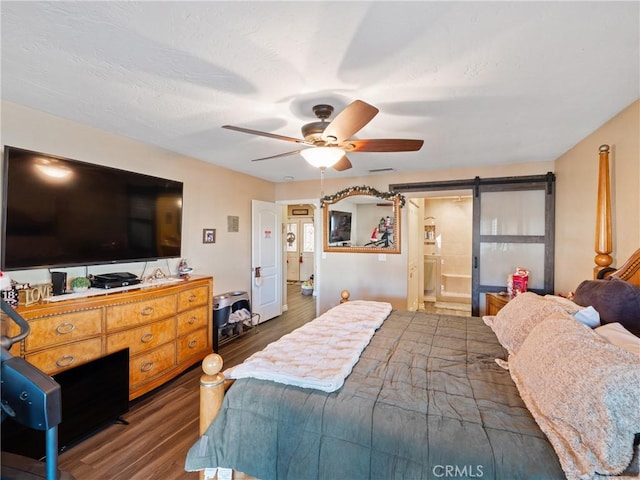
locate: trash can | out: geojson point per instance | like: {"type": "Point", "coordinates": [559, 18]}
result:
{"type": "Point", "coordinates": [223, 306]}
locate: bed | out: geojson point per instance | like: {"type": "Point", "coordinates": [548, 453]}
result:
{"type": "Point", "coordinates": [438, 396]}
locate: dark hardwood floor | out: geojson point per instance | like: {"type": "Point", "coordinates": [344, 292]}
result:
{"type": "Point", "coordinates": [164, 424]}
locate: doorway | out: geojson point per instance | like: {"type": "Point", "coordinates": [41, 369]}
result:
{"type": "Point", "coordinates": [270, 225]}
{"type": "Point", "coordinates": [299, 237]}
{"type": "Point", "coordinates": [447, 239]}
{"type": "Point", "coordinates": [513, 226]}
{"type": "Point", "coordinates": [300, 240]}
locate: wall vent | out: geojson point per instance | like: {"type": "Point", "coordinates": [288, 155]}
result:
{"type": "Point", "coordinates": [379, 170]}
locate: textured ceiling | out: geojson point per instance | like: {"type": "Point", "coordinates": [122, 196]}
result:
{"type": "Point", "coordinates": [481, 83]}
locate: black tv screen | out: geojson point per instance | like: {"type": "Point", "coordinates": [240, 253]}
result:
{"type": "Point", "coordinates": [93, 395]}
{"type": "Point", "coordinates": [59, 212]}
{"type": "Point", "coordinates": [340, 223]}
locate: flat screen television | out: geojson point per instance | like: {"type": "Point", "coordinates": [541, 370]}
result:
{"type": "Point", "coordinates": [340, 224]}
{"type": "Point", "coordinates": [94, 395]}
{"type": "Point", "coordinates": [58, 212]}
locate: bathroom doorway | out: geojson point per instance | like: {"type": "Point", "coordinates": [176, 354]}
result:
{"type": "Point", "coordinates": [447, 238]}
{"type": "Point", "coordinates": [513, 221]}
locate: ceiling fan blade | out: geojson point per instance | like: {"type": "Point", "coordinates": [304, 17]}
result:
{"type": "Point", "coordinates": [343, 164]}
{"type": "Point", "coordinates": [382, 145]}
{"type": "Point", "coordinates": [276, 156]}
{"type": "Point", "coordinates": [355, 116]}
{"type": "Point", "coordinates": [263, 134]}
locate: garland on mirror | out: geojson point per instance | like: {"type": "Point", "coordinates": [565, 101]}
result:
{"type": "Point", "coordinates": [364, 190]}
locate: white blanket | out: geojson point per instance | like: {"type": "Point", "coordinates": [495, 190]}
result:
{"type": "Point", "coordinates": [321, 353]}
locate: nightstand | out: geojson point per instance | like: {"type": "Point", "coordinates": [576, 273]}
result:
{"type": "Point", "coordinates": [494, 302]}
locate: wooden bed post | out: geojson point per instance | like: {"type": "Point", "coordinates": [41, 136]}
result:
{"type": "Point", "coordinates": [344, 296]}
{"type": "Point", "coordinates": [211, 392]}
{"type": "Point", "coordinates": [603, 245]}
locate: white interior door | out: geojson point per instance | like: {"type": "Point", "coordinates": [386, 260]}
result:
{"type": "Point", "coordinates": [266, 260]}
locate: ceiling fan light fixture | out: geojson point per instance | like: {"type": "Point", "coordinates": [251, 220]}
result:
{"type": "Point", "coordinates": [322, 157]}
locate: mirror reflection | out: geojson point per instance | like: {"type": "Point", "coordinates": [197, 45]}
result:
{"type": "Point", "coordinates": [362, 219]}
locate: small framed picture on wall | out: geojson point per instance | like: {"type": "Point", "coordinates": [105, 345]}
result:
{"type": "Point", "coordinates": [208, 235]}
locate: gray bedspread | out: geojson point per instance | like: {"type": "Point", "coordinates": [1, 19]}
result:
{"type": "Point", "coordinates": [426, 401]}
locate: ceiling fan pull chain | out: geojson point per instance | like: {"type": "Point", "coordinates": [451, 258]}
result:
{"type": "Point", "coordinates": [322, 169]}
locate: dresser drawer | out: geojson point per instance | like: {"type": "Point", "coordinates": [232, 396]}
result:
{"type": "Point", "coordinates": [63, 328]}
{"type": "Point", "coordinates": [54, 360]}
{"type": "Point", "coordinates": [148, 365]}
{"type": "Point", "coordinates": [9, 328]}
{"type": "Point", "coordinates": [143, 338]}
{"type": "Point", "coordinates": [192, 297]}
{"type": "Point", "coordinates": [192, 344]}
{"type": "Point", "coordinates": [132, 314]}
{"type": "Point", "coordinates": [192, 319]}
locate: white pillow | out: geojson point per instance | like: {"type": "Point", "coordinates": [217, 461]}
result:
{"type": "Point", "coordinates": [616, 334]}
{"type": "Point", "coordinates": [584, 393]}
{"type": "Point", "coordinates": [569, 305]}
{"type": "Point", "coordinates": [589, 316]}
{"type": "Point", "coordinates": [517, 318]}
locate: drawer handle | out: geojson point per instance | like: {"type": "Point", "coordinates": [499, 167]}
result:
{"type": "Point", "coordinates": [65, 361]}
{"type": "Point", "coordinates": [146, 311]}
{"type": "Point", "coordinates": [192, 320]}
{"type": "Point", "coordinates": [65, 328]}
{"type": "Point", "coordinates": [146, 338]}
{"type": "Point", "coordinates": [146, 366]}
{"type": "Point", "coordinates": [193, 343]}
{"type": "Point", "coordinates": [193, 297]}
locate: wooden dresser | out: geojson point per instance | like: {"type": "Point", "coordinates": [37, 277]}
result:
{"type": "Point", "coordinates": [167, 329]}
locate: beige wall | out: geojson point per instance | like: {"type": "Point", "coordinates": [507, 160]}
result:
{"type": "Point", "coordinates": [577, 174]}
{"type": "Point", "coordinates": [210, 193]}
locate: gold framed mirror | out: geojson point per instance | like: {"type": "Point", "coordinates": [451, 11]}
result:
{"type": "Point", "coordinates": [362, 220]}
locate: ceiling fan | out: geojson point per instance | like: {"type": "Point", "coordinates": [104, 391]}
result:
{"type": "Point", "coordinates": [330, 141]}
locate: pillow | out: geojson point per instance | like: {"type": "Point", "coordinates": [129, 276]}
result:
{"type": "Point", "coordinates": [615, 300]}
{"type": "Point", "coordinates": [569, 305]}
{"type": "Point", "coordinates": [587, 315]}
{"type": "Point", "coordinates": [584, 394]}
{"type": "Point", "coordinates": [618, 335]}
{"type": "Point", "coordinates": [517, 318]}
